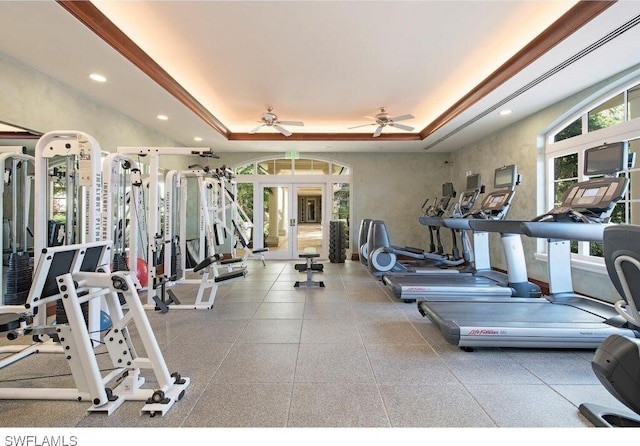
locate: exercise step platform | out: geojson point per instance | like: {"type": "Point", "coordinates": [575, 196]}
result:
{"type": "Point", "coordinates": [309, 267]}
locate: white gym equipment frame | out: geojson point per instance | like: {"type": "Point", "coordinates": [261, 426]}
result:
{"type": "Point", "coordinates": [177, 194]}
{"type": "Point", "coordinates": [112, 171]}
{"type": "Point", "coordinates": [213, 268]}
{"type": "Point", "coordinates": [240, 221]}
{"type": "Point", "coordinates": [88, 213]}
{"type": "Point", "coordinates": [15, 155]}
{"type": "Point", "coordinates": [161, 237]}
{"type": "Point", "coordinates": [70, 273]}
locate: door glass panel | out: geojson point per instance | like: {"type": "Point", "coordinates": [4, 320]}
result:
{"type": "Point", "coordinates": [309, 234]}
{"type": "Point", "coordinates": [276, 218]}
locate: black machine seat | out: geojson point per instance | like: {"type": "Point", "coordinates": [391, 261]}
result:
{"type": "Point", "coordinates": [221, 277]}
{"type": "Point", "coordinates": [230, 261]}
{"type": "Point", "coordinates": [206, 262]}
{"type": "Point", "coordinates": [240, 272]}
{"type": "Point", "coordinates": [10, 321]}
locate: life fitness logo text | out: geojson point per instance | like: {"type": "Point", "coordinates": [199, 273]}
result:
{"type": "Point", "coordinates": [484, 332]}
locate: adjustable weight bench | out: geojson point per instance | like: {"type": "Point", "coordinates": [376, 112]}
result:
{"type": "Point", "coordinates": [309, 267]}
{"type": "Point", "coordinates": [208, 267]}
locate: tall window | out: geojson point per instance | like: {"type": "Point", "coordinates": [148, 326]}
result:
{"type": "Point", "coordinates": [613, 117]}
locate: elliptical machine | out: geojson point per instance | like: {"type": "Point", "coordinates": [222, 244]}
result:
{"type": "Point", "coordinates": [616, 362]}
{"type": "Point", "coordinates": [383, 257]}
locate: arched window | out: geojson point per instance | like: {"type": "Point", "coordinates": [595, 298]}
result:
{"type": "Point", "coordinates": [610, 115]}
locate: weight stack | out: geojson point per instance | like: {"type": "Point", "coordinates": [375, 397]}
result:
{"type": "Point", "coordinates": [338, 241]}
{"type": "Point", "coordinates": [19, 278]}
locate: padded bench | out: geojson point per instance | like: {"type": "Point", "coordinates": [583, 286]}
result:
{"type": "Point", "coordinates": [309, 267]}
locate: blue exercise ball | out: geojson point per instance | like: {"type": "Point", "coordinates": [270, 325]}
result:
{"type": "Point", "coordinates": [105, 321]}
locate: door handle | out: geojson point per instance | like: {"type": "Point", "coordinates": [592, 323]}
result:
{"type": "Point", "coordinates": [292, 222]}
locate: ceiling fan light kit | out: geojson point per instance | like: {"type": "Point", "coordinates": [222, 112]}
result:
{"type": "Point", "coordinates": [270, 119]}
{"type": "Point", "coordinates": [383, 119]}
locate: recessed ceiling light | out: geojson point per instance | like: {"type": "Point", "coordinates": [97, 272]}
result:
{"type": "Point", "coordinates": [162, 117]}
{"type": "Point", "coordinates": [98, 77]}
{"type": "Point", "coordinates": [505, 112]}
{"type": "Point", "coordinates": [197, 138]}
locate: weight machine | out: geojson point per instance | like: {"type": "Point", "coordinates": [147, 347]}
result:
{"type": "Point", "coordinates": [74, 274]}
{"type": "Point", "coordinates": [76, 158]}
{"type": "Point", "coordinates": [161, 239]}
{"type": "Point", "coordinates": [241, 225]}
{"type": "Point", "coordinates": [18, 176]}
{"type": "Point", "coordinates": [212, 267]}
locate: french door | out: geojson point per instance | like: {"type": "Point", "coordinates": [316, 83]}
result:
{"type": "Point", "coordinates": [292, 219]}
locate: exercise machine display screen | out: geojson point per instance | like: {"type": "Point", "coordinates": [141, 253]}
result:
{"type": "Point", "coordinates": [447, 190]}
{"type": "Point", "coordinates": [473, 182]}
{"type": "Point", "coordinates": [505, 177]}
{"type": "Point", "coordinates": [495, 201]}
{"type": "Point", "coordinates": [601, 193]}
{"type": "Point", "coordinates": [607, 159]}
{"type": "Point", "coordinates": [590, 193]}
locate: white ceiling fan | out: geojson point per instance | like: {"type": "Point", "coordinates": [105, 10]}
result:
{"type": "Point", "coordinates": [270, 119]}
{"type": "Point", "coordinates": [383, 119]}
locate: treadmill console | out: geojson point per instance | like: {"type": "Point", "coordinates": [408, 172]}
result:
{"type": "Point", "coordinates": [591, 200]}
{"type": "Point", "coordinates": [495, 203]}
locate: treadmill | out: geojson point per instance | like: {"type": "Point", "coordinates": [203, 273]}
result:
{"type": "Point", "coordinates": [480, 282]}
{"type": "Point", "coordinates": [563, 319]}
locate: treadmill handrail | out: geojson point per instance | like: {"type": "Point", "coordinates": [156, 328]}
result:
{"type": "Point", "coordinates": [456, 223]}
{"type": "Point", "coordinates": [498, 226]}
{"type": "Point", "coordinates": [561, 230]}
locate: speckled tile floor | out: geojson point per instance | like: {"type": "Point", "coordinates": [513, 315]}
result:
{"type": "Point", "coordinates": [347, 355]}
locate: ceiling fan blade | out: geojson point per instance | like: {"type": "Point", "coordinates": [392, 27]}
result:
{"type": "Point", "coordinates": [401, 126]}
{"type": "Point", "coordinates": [402, 118]}
{"type": "Point", "coordinates": [282, 130]}
{"type": "Point", "coordinates": [291, 123]}
{"type": "Point", "coordinates": [372, 118]}
{"type": "Point", "coordinates": [363, 125]}
{"type": "Point", "coordinates": [256, 129]}
{"type": "Point", "coordinates": [378, 131]}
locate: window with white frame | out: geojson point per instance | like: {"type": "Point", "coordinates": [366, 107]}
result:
{"type": "Point", "coordinates": [613, 117]}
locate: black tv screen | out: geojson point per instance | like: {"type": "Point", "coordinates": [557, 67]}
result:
{"type": "Point", "coordinates": [504, 177]}
{"type": "Point", "coordinates": [473, 182]}
{"type": "Point", "coordinates": [607, 159]}
{"type": "Point", "coordinates": [447, 190]}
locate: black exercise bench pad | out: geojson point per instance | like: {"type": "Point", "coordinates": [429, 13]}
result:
{"type": "Point", "coordinates": [206, 262]}
{"type": "Point", "coordinates": [309, 255]}
{"type": "Point", "coordinates": [10, 321]}
{"type": "Point", "coordinates": [302, 267]}
{"type": "Point", "coordinates": [230, 261]}
{"type": "Point", "coordinates": [258, 251]}
{"type": "Point", "coordinates": [241, 272]}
